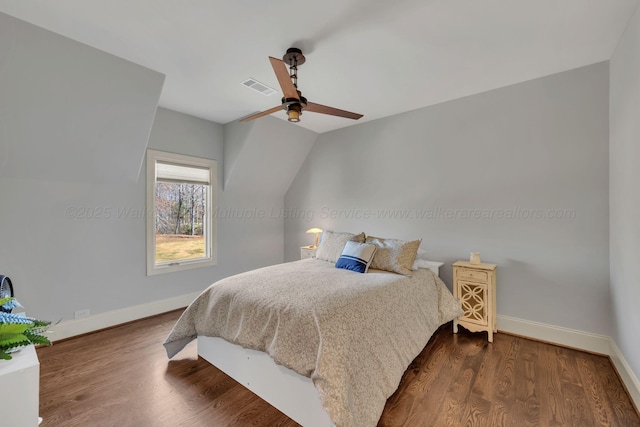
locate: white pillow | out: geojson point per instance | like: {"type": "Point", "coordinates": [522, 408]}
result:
{"type": "Point", "coordinates": [356, 256]}
{"type": "Point", "coordinates": [428, 265]}
{"type": "Point", "coordinates": [421, 255]}
{"type": "Point", "coordinates": [332, 244]}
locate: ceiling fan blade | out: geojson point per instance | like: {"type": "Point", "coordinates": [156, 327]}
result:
{"type": "Point", "coordinates": [319, 108]}
{"type": "Point", "coordinates": [262, 113]}
{"type": "Point", "coordinates": [288, 89]}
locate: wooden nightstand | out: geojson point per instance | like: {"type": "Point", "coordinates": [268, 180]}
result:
{"type": "Point", "coordinates": [307, 252]}
{"type": "Point", "coordinates": [474, 285]}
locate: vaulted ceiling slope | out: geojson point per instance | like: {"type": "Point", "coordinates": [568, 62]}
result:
{"type": "Point", "coordinates": [263, 157]}
{"type": "Point", "coordinates": [69, 112]}
{"type": "Point", "coordinates": [375, 57]}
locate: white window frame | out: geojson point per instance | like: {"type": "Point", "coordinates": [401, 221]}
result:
{"type": "Point", "coordinates": [210, 259]}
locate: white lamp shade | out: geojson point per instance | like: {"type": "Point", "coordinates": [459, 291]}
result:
{"type": "Point", "coordinates": [317, 231]}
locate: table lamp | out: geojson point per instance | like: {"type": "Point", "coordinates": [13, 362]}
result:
{"type": "Point", "coordinates": [317, 232]}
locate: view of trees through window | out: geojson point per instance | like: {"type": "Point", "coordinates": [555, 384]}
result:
{"type": "Point", "coordinates": [180, 210]}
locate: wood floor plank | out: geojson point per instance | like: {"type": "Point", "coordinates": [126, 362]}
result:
{"type": "Point", "coordinates": [616, 394]}
{"type": "Point", "coordinates": [525, 390]}
{"type": "Point", "coordinates": [435, 405]}
{"type": "Point", "coordinates": [121, 377]}
{"type": "Point", "coordinates": [600, 404]}
{"type": "Point", "coordinates": [456, 401]}
{"type": "Point", "coordinates": [575, 404]}
{"type": "Point", "coordinates": [551, 407]}
{"type": "Point", "coordinates": [427, 372]}
{"type": "Point", "coordinates": [489, 412]}
{"type": "Point", "coordinates": [504, 410]}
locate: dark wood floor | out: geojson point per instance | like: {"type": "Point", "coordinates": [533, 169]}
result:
{"type": "Point", "coordinates": [121, 377]}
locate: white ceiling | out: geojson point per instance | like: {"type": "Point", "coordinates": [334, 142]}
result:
{"type": "Point", "coordinates": [374, 57]}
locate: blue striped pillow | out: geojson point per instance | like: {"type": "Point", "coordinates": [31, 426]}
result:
{"type": "Point", "coordinates": [356, 256]}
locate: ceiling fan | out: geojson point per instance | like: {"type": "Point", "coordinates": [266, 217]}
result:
{"type": "Point", "coordinates": [292, 101]}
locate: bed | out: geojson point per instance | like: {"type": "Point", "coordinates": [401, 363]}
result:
{"type": "Point", "coordinates": [326, 346]}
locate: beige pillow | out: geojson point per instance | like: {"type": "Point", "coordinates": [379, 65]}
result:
{"type": "Point", "coordinates": [333, 242]}
{"type": "Point", "coordinates": [394, 255]}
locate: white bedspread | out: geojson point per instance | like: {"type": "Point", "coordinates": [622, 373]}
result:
{"type": "Point", "coordinates": [353, 334]}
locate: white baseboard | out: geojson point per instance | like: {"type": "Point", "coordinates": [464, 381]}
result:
{"type": "Point", "coordinates": [555, 334]}
{"type": "Point", "coordinates": [567, 337]}
{"type": "Point", "coordinates": [71, 328]}
{"type": "Point", "coordinates": [626, 373]}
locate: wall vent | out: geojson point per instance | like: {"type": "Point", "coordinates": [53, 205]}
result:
{"type": "Point", "coordinates": [258, 86]}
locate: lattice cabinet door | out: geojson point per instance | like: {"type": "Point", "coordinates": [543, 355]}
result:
{"type": "Point", "coordinates": [474, 285]}
{"type": "Point", "coordinates": [473, 297]}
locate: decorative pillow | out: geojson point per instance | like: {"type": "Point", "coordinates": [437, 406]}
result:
{"type": "Point", "coordinates": [356, 256]}
{"type": "Point", "coordinates": [394, 255]}
{"type": "Point", "coordinates": [332, 244]}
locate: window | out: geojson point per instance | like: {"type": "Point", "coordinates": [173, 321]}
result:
{"type": "Point", "coordinates": [180, 201]}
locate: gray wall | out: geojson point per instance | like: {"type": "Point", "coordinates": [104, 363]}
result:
{"type": "Point", "coordinates": [263, 156]}
{"type": "Point", "coordinates": [245, 241]}
{"type": "Point", "coordinates": [537, 146]}
{"type": "Point", "coordinates": [74, 127]}
{"type": "Point", "coordinates": [624, 195]}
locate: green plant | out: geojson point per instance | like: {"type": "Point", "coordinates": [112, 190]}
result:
{"type": "Point", "coordinates": [18, 331]}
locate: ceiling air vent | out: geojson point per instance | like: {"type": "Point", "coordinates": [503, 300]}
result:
{"type": "Point", "coordinates": [258, 87]}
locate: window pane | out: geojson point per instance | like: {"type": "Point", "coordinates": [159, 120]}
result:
{"type": "Point", "coordinates": [181, 193]}
{"type": "Point", "coordinates": [180, 221]}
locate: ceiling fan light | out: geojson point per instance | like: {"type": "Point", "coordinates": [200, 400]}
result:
{"type": "Point", "coordinates": [294, 113]}
{"type": "Point", "coordinates": [294, 116]}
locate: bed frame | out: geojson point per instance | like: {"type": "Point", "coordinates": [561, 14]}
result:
{"type": "Point", "coordinates": [286, 390]}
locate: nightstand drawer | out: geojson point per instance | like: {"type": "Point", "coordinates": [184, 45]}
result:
{"type": "Point", "coordinates": [473, 275]}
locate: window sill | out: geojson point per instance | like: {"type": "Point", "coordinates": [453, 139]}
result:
{"type": "Point", "coordinates": [173, 267]}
